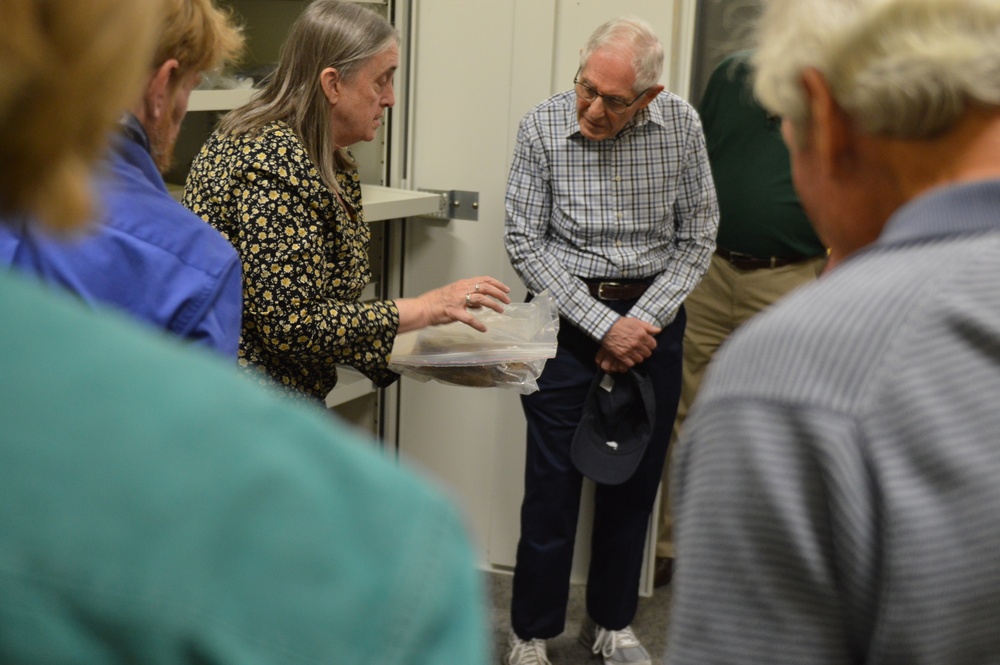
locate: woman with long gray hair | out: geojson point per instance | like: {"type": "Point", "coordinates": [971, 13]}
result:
{"type": "Point", "coordinates": [278, 180]}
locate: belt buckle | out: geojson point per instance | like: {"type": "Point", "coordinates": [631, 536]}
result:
{"type": "Point", "coordinates": [600, 289]}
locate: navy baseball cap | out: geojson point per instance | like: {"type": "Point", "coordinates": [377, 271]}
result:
{"type": "Point", "coordinates": [616, 426]}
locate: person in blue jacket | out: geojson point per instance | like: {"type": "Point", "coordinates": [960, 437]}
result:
{"type": "Point", "coordinates": [145, 253]}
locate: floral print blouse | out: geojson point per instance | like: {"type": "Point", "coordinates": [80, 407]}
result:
{"type": "Point", "coordinates": [305, 261]}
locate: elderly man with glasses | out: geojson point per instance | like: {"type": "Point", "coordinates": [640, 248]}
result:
{"type": "Point", "coordinates": [610, 205]}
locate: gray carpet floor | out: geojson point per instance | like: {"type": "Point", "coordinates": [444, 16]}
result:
{"type": "Point", "coordinates": [650, 624]}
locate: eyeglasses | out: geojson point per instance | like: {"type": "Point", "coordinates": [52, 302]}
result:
{"type": "Point", "coordinates": [588, 93]}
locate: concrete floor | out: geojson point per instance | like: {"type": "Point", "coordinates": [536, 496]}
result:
{"type": "Point", "coordinates": [650, 624]}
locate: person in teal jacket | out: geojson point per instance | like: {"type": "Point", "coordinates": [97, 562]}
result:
{"type": "Point", "coordinates": [155, 506]}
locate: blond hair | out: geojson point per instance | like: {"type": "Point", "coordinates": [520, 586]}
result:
{"type": "Point", "coordinates": [199, 35]}
{"type": "Point", "coordinates": [902, 68]}
{"type": "Point", "coordinates": [67, 70]}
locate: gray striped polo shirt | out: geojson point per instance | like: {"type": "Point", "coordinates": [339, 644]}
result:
{"type": "Point", "coordinates": [838, 481]}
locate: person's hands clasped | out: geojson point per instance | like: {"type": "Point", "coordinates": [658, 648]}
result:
{"type": "Point", "coordinates": [628, 343]}
{"type": "Point", "coordinates": [452, 302]}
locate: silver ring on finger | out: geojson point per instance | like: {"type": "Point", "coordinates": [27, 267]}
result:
{"type": "Point", "coordinates": [477, 288]}
{"type": "Point", "coordinates": [468, 299]}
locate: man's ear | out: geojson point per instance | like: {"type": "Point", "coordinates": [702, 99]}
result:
{"type": "Point", "coordinates": [329, 80]}
{"type": "Point", "coordinates": [830, 130]}
{"type": "Point", "coordinates": [156, 101]}
{"type": "Point", "coordinates": [648, 97]}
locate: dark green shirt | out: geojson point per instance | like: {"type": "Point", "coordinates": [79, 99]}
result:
{"type": "Point", "coordinates": [759, 212]}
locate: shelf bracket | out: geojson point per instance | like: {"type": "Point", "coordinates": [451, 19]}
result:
{"type": "Point", "coordinates": [455, 204]}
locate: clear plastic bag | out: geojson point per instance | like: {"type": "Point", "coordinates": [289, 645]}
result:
{"type": "Point", "coordinates": [510, 354]}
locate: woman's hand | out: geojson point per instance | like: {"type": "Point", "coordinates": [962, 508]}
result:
{"type": "Point", "coordinates": [452, 302]}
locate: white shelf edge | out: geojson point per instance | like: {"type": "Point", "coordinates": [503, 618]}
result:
{"type": "Point", "coordinates": [219, 100]}
{"type": "Point", "coordinates": [351, 385]}
{"type": "Point", "coordinates": [370, 293]}
{"type": "Point", "coordinates": [382, 203]}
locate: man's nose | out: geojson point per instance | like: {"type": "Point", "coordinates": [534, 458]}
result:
{"type": "Point", "coordinates": [596, 108]}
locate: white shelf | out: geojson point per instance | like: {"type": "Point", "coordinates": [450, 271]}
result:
{"type": "Point", "coordinates": [382, 203]}
{"type": "Point", "coordinates": [370, 293]}
{"type": "Point", "coordinates": [219, 100]}
{"type": "Point", "coordinates": [351, 385]}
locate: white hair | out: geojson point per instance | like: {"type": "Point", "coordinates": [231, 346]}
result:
{"type": "Point", "coordinates": [902, 68]}
{"type": "Point", "coordinates": [637, 35]}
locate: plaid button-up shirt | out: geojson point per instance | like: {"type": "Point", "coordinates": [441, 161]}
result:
{"type": "Point", "coordinates": [640, 204]}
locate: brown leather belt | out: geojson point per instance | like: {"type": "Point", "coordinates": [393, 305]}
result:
{"type": "Point", "coordinates": [747, 262]}
{"type": "Point", "coordinates": [617, 289]}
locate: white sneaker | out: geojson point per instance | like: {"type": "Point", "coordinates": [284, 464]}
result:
{"type": "Point", "coordinates": [527, 652]}
{"type": "Point", "coordinates": [616, 646]}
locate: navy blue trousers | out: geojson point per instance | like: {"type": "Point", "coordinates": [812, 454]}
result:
{"type": "Point", "coordinates": [551, 505]}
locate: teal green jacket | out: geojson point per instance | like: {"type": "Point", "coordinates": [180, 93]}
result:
{"type": "Point", "coordinates": [158, 508]}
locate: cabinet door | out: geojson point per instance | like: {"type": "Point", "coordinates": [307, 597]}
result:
{"type": "Point", "coordinates": [478, 67]}
{"type": "Point", "coordinates": [470, 85]}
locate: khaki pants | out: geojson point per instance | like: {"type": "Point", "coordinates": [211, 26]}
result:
{"type": "Point", "coordinates": [724, 299]}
